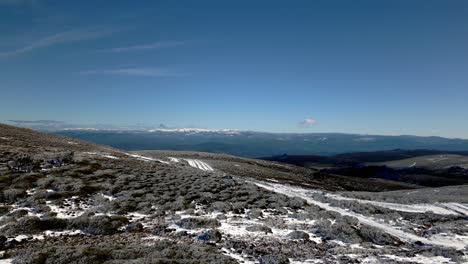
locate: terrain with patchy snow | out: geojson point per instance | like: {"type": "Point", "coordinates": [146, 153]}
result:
{"type": "Point", "coordinates": [82, 203]}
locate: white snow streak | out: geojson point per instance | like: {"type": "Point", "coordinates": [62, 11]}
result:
{"type": "Point", "coordinates": [459, 208]}
{"type": "Point", "coordinates": [199, 164]}
{"type": "Point", "coordinates": [6, 261]}
{"type": "Point", "coordinates": [108, 197]}
{"type": "Point", "coordinates": [438, 208]}
{"type": "Point", "coordinates": [143, 158]}
{"type": "Point", "coordinates": [174, 159]}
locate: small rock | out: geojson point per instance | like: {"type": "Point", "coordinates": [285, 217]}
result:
{"type": "Point", "coordinates": [134, 227]}
{"type": "Point", "coordinates": [211, 235]}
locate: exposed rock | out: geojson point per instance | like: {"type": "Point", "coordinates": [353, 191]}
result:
{"type": "Point", "coordinates": [211, 235]}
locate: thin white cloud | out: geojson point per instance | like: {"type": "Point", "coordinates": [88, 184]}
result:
{"type": "Point", "coordinates": [152, 46]}
{"type": "Point", "coordinates": [142, 72]}
{"type": "Point", "coordinates": [17, 2]}
{"type": "Point", "coordinates": [308, 122]}
{"type": "Point", "coordinates": [56, 39]}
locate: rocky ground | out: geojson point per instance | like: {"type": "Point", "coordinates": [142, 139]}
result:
{"type": "Point", "coordinates": [67, 201]}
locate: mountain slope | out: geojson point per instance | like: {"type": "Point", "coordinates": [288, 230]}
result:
{"type": "Point", "coordinates": [260, 144]}
{"type": "Point", "coordinates": [67, 201]}
{"type": "Point", "coordinates": [431, 168]}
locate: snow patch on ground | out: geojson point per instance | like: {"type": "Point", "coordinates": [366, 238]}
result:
{"type": "Point", "coordinates": [199, 164]}
{"type": "Point", "coordinates": [174, 159]}
{"type": "Point", "coordinates": [31, 212]}
{"type": "Point", "coordinates": [6, 261]}
{"type": "Point", "coordinates": [72, 207]}
{"type": "Point", "coordinates": [388, 228]}
{"type": "Point", "coordinates": [108, 197]}
{"type": "Point", "coordinates": [45, 234]}
{"type": "Point", "coordinates": [306, 261]}
{"type": "Point", "coordinates": [31, 191]}
{"type": "Point", "coordinates": [143, 158]}
{"type": "Point", "coordinates": [235, 225]}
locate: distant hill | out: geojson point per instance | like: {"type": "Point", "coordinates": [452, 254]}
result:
{"type": "Point", "coordinates": [260, 144]}
{"type": "Point", "coordinates": [432, 168]}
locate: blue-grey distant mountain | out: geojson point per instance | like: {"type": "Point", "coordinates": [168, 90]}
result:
{"type": "Point", "coordinates": [260, 144]}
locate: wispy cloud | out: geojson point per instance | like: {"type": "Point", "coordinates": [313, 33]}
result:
{"type": "Point", "coordinates": [142, 72]}
{"type": "Point", "coordinates": [56, 39]}
{"type": "Point", "coordinates": [308, 122]}
{"type": "Point", "coordinates": [151, 46]}
{"type": "Point", "coordinates": [17, 2]}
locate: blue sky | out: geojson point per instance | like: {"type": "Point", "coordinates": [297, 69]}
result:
{"type": "Point", "coordinates": [371, 67]}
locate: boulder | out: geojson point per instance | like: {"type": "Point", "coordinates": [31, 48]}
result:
{"type": "Point", "coordinates": [211, 235]}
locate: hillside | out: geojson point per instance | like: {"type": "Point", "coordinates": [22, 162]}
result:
{"type": "Point", "coordinates": [430, 168]}
{"type": "Point", "coordinates": [429, 162]}
{"type": "Point", "coordinates": [67, 201]}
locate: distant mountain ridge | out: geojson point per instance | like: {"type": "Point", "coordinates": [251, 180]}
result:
{"type": "Point", "coordinates": [259, 144]}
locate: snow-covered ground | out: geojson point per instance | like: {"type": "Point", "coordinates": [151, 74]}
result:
{"type": "Point", "coordinates": [199, 164]}
{"type": "Point", "coordinates": [437, 208]}
{"type": "Point", "coordinates": [45, 234]}
{"type": "Point", "coordinates": [174, 159]}
{"type": "Point", "coordinates": [6, 261]}
{"type": "Point", "coordinates": [194, 163]}
{"type": "Point", "coordinates": [292, 191]}
{"type": "Point", "coordinates": [143, 158]}
{"type": "Point", "coordinates": [72, 207]}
